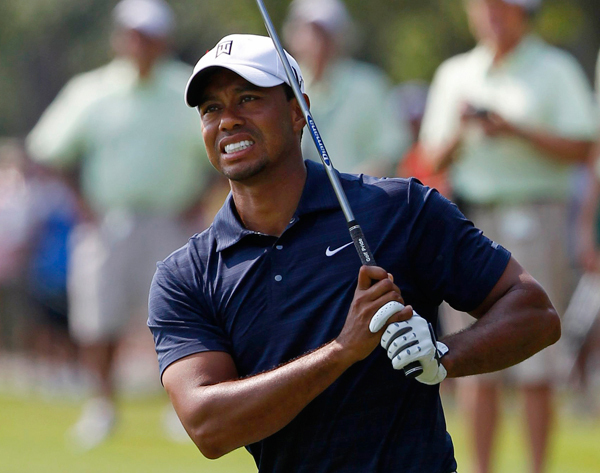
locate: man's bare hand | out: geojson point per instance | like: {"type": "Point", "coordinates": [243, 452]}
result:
{"type": "Point", "coordinates": [355, 337]}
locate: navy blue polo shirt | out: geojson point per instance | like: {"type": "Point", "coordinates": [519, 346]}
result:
{"type": "Point", "coordinates": [266, 300]}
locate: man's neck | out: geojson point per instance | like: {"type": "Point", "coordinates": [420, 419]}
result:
{"type": "Point", "coordinates": [268, 204]}
{"type": "Point", "coordinates": [504, 49]}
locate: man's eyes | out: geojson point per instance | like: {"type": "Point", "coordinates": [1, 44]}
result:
{"type": "Point", "coordinates": [248, 98]}
{"type": "Point", "coordinates": [210, 108]}
{"type": "Point", "coordinates": [214, 107]}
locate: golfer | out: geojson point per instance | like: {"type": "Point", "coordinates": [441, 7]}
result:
{"type": "Point", "coordinates": [261, 322]}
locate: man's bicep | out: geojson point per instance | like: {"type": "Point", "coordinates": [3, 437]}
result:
{"type": "Point", "coordinates": [184, 379]}
{"type": "Point", "coordinates": [513, 275]}
{"type": "Point", "coordinates": [200, 369]}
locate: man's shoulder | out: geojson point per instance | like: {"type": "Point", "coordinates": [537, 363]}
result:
{"type": "Point", "coordinates": [191, 257]}
{"type": "Point", "coordinates": [88, 87]}
{"type": "Point", "coordinates": [361, 74]}
{"type": "Point", "coordinates": [362, 69]}
{"type": "Point", "coordinates": [178, 68]}
{"type": "Point", "coordinates": [89, 80]}
{"type": "Point", "coordinates": [176, 74]}
{"type": "Point", "coordinates": [393, 191]}
{"type": "Point", "coordinates": [555, 59]}
{"type": "Point", "coordinates": [457, 65]}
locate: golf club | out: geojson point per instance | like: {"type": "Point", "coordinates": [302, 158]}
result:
{"type": "Point", "coordinates": [360, 243]}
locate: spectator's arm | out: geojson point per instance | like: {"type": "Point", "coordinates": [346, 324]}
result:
{"type": "Point", "coordinates": [57, 138]}
{"type": "Point", "coordinates": [587, 251]}
{"type": "Point", "coordinates": [565, 149]}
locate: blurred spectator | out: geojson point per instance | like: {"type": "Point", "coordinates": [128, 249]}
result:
{"type": "Point", "coordinates": [37, 215]}
{"type": "Point", "coordinates": [588, 251]}
{"type": "Point", "coordinates": [349, 99]}
{"type": "Point", "coordinates": [52, 215]}
{"type": "Point", "coordinates": [14, 232]}
{"type": "Point", "coordinates": [141, 162]}
{"type": "Point", "coordinates": [589, 241]}
{"type": "Point", "coordinates": [409, 100]}
{"type": "Point", "coordinates": [512, 116]}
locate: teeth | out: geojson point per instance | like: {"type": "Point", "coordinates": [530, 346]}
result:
{"type": "Point", "coordinates": [234, 147]}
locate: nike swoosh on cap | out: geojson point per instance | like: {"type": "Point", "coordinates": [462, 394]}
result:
{"type": "Point", "coordinates": [330, 252]}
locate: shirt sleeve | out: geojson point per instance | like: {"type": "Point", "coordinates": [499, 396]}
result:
{"type": "Point", "coordinates": [575, 113]}
{"type": "Point", "coordinates": [180, 319]}
{"type": "Point", "coordinates": [442, 112]}
{"type": "Point", "coordinates": [57, 138]}
{"type": "Point", "coordinates": [451, 258]}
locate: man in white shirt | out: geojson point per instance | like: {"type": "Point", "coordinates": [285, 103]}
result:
{"type": "Point", "coordinates": [142, 165]}
{"type": "Point", "coordinates": [510, 118]}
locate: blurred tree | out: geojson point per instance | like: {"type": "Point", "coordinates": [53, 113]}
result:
{"type": "Point", "coordinates": [45, 42]}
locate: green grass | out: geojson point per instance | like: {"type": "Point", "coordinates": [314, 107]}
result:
{"type": "Point", "coordinates": [32, 440]}
{"type": "Point", "coordinates": [575, 445]}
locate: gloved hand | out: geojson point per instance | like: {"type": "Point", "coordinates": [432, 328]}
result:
{"type": "Point", "coordinates": [414, 340]}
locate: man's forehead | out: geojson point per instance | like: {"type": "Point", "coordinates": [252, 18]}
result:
{"type": "Point", "coordinates": [219, 79]}
{"type": "Point", "coordinates": [221, 76]}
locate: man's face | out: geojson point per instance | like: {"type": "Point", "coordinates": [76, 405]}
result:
{"type": "Point", "coordinates": [311, 45]}
{"type": "Point", "coordinates": [496, 21]}
{"type": "Point", "coordinates": [246, 128]}
{"type": "Point", "coordinates": [138, 47]}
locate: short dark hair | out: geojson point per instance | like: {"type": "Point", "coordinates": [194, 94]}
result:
{"type": "Point", "coordinates": [289, 95]}
{"type": "Point", "coordinates": [289, 92]}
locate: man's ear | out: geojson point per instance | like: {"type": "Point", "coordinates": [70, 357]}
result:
{"type": "Point", "coordinates": [297, 116]}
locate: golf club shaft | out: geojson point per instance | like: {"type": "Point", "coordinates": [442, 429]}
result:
{"type": "Point", "coordinates": [356, 233]}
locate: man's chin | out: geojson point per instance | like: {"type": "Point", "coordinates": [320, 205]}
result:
{"type": "Point", "coordinates": [244, 173]}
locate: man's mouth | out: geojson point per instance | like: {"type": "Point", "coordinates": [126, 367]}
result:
{"type": "Point", "coordinates": [239, 146]}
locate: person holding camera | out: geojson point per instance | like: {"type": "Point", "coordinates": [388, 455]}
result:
{"type": "Point", "coordinates": [510, 119]}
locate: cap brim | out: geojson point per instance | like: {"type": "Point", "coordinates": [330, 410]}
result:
{"type": "Point", "coordinates": [195, 85]}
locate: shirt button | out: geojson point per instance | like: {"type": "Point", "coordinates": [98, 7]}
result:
{"type": "Point", "coordinates": [293, 220]}
{"type": "Point", "coordinates": [279, 247]}
{"type": "Point", "coordinates": [278, 278]}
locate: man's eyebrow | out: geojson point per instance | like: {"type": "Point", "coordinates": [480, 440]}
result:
{"type": "Point", "coordinates": [205, 98]}
{"type": "Point", "coordinates": [249, 87]}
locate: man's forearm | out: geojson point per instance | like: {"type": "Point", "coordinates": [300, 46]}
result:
{"type": "Point", "coordinates": [516, 327]}
{"type": "Point", "coordinates": [443, 156]}
{"type": "Point", "coordinates": [239, 412]}
{"type": "Point", "coordinates": [222, 412]}
{"type": "Point", "coordinates": [564, 149]}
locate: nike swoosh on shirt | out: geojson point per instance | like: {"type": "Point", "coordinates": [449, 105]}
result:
{"type": "Point", "coordinates": [329, 252]}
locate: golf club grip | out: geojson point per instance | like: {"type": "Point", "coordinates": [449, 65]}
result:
{"type": "Point", "coordinates": [361, 245]}
{"type": "Point", "coordinates": [366, 257]}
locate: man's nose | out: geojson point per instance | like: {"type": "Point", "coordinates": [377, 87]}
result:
{"type": "Point", "coordinates": [230, 118]}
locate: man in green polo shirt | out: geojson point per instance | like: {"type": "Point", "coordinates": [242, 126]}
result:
{"type": "Point", "coordinates": [142, 164]}
{"type": "Point", "coordinates": [350, 99]}
{"type": "Point", "coordinates": [511, 118]}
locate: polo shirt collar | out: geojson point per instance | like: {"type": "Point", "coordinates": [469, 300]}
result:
{"type": "Point", "coordinates": [317, 195]}
{"type": "Point", "coordinates": [519, 55]}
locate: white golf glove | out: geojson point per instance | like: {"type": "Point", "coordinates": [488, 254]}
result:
{"type": "Point", "coordinates": [414, 340]}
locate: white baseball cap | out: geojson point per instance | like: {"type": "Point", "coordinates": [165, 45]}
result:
{"type": "Point", "coordinates": [331, 15]}
{"type": "Point", "coordinates": [150, 17]}
{"type": "Point", "coordinates": [529, 5]}
{"type": "Point", "coordinates": [252, 57]}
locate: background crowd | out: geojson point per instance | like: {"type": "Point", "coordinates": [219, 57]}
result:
{"type": "Point", "coordinates": [103, 171]}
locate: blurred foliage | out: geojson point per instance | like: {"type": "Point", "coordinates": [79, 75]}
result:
{"type": "Point", "coordinates": [45, 42]}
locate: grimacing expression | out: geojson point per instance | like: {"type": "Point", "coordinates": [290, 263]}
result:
{"type": "Point", "coordinates": [246, 128]}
